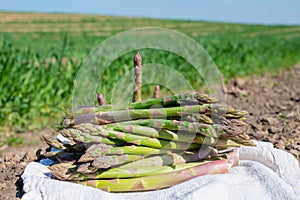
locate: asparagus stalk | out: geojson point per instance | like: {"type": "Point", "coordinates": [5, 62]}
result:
{"type": "Point", "coordinates": [196, 117]}
{"type": "Point", "coordinates": [101, 99]}
{"type": "Point", "coordinates": [180, 136]}
{"type": "Point", "coordinates": [152, 132]}
{"type": "Point", "coordinates": [155, 182]}
{"type": "Point", "coordinates": [145, 167]}
{"type": "Point", "coordinates": [96, 150]}
{"type": "Point", "coordinates": [173, 101]}
{"type": "Point", "coordinates": [70, 147]}
{"type": "Point", "coordinates": [86, 168]}
{"type": "Point", "coordinates": [53, 142]}
{"type": "Point", "coordinates": [244, 142]}
{"type": "Point", "coordinates": [108, 160]}
{"type": "Point", "coordinates": [104, 162]}
{"type": "Point", "coordinates": [170, 101]}
{"type": "Point", "coordinates": [147, 127]}
{"type": "Point", "coordinates": [175, 125]}
{"type": "Point", "coordinates": [205, 152]}
{"type": "Point", "coordinates": [156, 91]}
{"type": "Point", "coordinates": [127, 115]}
{"type": "Point", "coordinates": [131, 138]}
{"type": "Point", "coordinates": [62, 156]}
{"type": "Point", "coordinates": [100, 161]}
{"type": "Point", "coordinates": [137, 94]}
{"type": "Point", "coordinates": [156, 161]}
{"type": "Point", "coordinates": [210, 130]}
{"type": "Point", "coordinates": [225, 143]}
{"type": "Point", "coordinates": [67, 171]}
{"type": "Point", "coordinates": [146, 141]}
{"type": "Point", "coordinates": [79, 136]}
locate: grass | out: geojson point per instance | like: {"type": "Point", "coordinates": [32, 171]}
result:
{"type": "Point", "coordinates": [40, 55]}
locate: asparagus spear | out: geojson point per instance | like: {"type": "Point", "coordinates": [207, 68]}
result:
{"type": "Point", "coordinates": [244, 142]}
{"type": "Point", "coordinates": [137, 93]}
{"type": "Point", "coordinates": [146, 141]}
{"type": "Point", "coordinates": [53, 142]}
{"type": "Point", "coordinates": [180, 136]}
{"type": "Point", "coordinates": [103, 162]}
{"type": "Point", "coordinates": [210, 130]}
{"type": "Point", "coordinates": [70, 147]}
{"type": "Point", "coordinates": [67, 171]}
{"type": "Point", "coordinates": [155, 182]}
{"type": "Point", "coordinates": [101, 99]}
{"type": "Point", "coordinates": [156, 161]}
{"type": "Point", "coordinates": [145, 167]}
{"type": "Point", "coordinates": [79, 136]}
{"type": "Point", "coordinates": [96, 150]}
{"type": "Point", "coordinates": [125, 115]}
{"type": "Point", "coordinates": [86, 168]}
{"type": "Point", "coordinates": [175, 125]}
{"type": "Point", "coordinates": [109, 160]}
{"type": "Point", "coordinates": [144, 127]}
{"type": "Point", "coordinates": [130, 138]}
{"type": "Point", "coordinates": [140, 161]}
{"type": "Point", "coordinates": [62, 156]}
{"type": "Point", "coordinates": [156, 91]}
{"type": "Point", "coordinates": [225, 143]}
{"type": "Point", "coordinates": [166, 134]}
{"type": "Point", "coordinates": [170, 101]}
{"type": "Point", "coordinates": [196, 117]}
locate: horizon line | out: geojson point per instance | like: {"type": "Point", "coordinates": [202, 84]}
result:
{"type": "Point", "coordinates": [147, 17]}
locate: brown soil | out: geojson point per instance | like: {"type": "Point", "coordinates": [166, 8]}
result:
{"type": "Point", "coordinates": [273, 102]}
{"type": "Point", "coordinates": [13, 160]}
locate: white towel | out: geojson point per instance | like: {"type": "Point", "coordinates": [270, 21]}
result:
{"type": "Point", "coordinates": [263, 173]}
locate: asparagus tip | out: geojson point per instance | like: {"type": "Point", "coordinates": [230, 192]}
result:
{"type": "Point", "coordinates": [137, 59]}
{"type": "Point", "coordinates": [101, 99]}
{"type": "Point", "coordinates": [156, 91]}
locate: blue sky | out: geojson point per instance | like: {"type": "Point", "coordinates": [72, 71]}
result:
{"type": "Point", "coordinates": [246, 11]}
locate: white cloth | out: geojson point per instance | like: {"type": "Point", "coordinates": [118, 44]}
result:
{"type": "Point", "coordinates": [263, 173]}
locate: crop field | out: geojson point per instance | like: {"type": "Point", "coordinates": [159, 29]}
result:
{"type": "Point", "coordinates": [40, 55]}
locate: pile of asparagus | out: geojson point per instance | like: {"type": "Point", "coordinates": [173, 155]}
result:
{"type": "Point", "coordinates": [139, 147]}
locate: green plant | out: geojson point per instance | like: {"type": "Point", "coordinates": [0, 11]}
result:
{"type": "Point", "coordinates": [39, 63]}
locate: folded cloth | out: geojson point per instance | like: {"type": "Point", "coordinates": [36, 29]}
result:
{"type": "Point", "coordinates": [263, 173]}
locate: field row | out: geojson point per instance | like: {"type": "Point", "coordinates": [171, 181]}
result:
{"type": "Point", "coordinates": [108, 25]}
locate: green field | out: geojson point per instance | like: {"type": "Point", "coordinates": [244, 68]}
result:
{"type": "Point", "coordinates": [40, 55]}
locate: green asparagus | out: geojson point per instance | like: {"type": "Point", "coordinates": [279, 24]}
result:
{"type": "Point", "coordinates": [159, 181]}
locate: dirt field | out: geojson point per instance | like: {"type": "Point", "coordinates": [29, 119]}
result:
{"type": "Point", "coordinates": [273, 102]}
